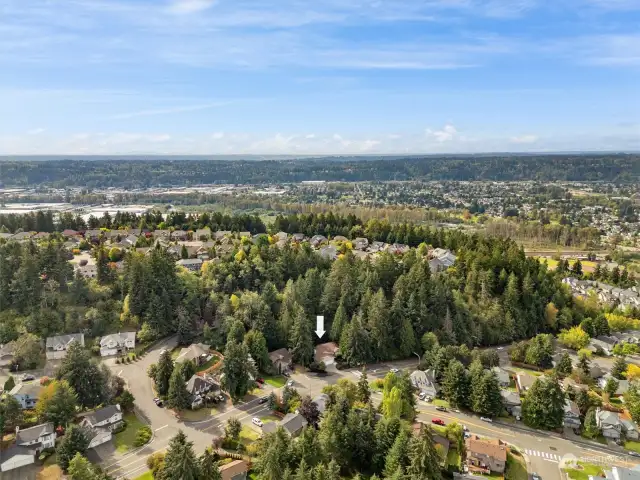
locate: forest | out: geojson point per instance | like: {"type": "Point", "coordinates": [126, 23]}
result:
{"type": "Point", "coordinates": [621, 168]}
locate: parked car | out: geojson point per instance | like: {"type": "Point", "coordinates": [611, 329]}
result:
{"type": "Point", "coordinates": [486, 419]}
{"type": "Point", "coordinates": [394, 370]}
{"type": "Point", "coordinates": [263, 400]}
{"type": "Point", "coordinates": [633, 454]}
{"type": "Point", "coordinates": [257, 421]}
{"type": "Point", "coordinates": [535, 476]}
{"type": "Point", "coordinates": [158, 402]}
{"type": "Point", "coordinates": [290, 383]}
{"type": "Point", "coordinates": [286, 374]}
{"type": "Point", "coordinates": [27, 377]}
{"type": "Point", "coordinates": [260, 380]}
{"type": "Point", "coordinates": [437, 421]}
{"type": "Point", "coordinates": [441, 409]}
{"type": "Point", "coordinates": [465, 428]}
{"type": "Point", "coordinates": [422, 396]}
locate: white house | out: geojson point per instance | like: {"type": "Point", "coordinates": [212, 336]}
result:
{"type": "Point", "coordinates": [26, 394]}
{"type": "Point", "coordinates": [15, 457]}
{"type": "Point", "coordinates": [57, 346]}
{"type": "Point", "coordinates": [101, 423]}
{"type": "Point", "coordinates": [609, 423]}
{"type": "Point", "coordinates": [117, 343]}
{"type": "Point", "coordinates": [424, 381]}
{"type": "Point", "coordinates": [37, 438]}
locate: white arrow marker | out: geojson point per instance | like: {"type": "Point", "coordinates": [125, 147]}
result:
{"type": "Point", "coordinates": [320, 325]}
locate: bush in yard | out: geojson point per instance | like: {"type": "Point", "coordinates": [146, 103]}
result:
{"type": "Point", "coordinates": [9, 384]}
{"type": "Point", "coordinates": [143, 436]}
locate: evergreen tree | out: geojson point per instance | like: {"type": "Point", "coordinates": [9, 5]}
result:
{"type": "Point", "coordinates": [619, 368]}
{"type": "Point", "coordinates": [564, 367]}
{"type": "Point", "coordinates": [74, 441]}
{"type": "Point", "coordinates": [611, 386]}
{"type": "Point", "coordinates": [257, 346]}
{"type": "Point", "coordinates": [364, 391]}
{"type": "Point", "coordinates": [83, 375]}
{"type": "Point", "coordinates": [303, 472]}
{"type": "Point", "coordinates": [209, 466]}
{"type": "Point", "coordinates": [186, 327]}
{"type": "Point", "coordinates": [57, 404]}
{"type": "Point", "coordinates": [424, 459]}
{"type": "Point", "coordinates": [456, 384]}
{"type": "Point", "coordinates": [339, 321]}
{"type": "Point", "coordinates": [485, 396]}
{"type": "Point", "coordinates": [543, 406]}
{"type": "Point", "coordinates": [81, 469]}
{"type": "Point", "coordinates": [355, 346]}
{"type": "Point", "coordinates": [178, 397]}
{"type": "Point", "coordinates": [591, 429]}
{"type": "Point", "coordinates": [163, 372]}
{"type": "Point", "coordinates": [301, 340]}
{"type": "Point", "coordinates": [104, 274]}
{"type": "Point", "coordinates": [397, 458]}
{"type": "Point", "coordinates": [237, 370]}
{"type": "Point", "coordinates": [273, 455]}
{"type": "Point", "coordinates": [180, 461]}
{"type": "Point", "coordinates": [381, 335]}
{"type": "Point", "coordinates": [584, 364]}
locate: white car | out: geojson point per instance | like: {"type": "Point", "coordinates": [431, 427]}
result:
{"type": "Point", "coordinates": [257, 421]}
{"type": "Point", "coordinates": [486, 419]}
{"type": "Point", "coordinates": [394, 370]}
{"type": "Point", "coordinates": [290, 383]}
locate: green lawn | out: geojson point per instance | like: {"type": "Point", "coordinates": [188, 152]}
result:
{"type": "Point", "coordinates": [175, 352]}
{"type": "Point", "coordinates": [145, 476]}
{"type": "Point", "coordinates": [453, 457]}
{"type": "Point", "coordinates": [276, 381]}
{"type": "Point", "coordinates": [125, 439]}
{"type": "Point", "coordinates": [269, 418]}
{"type": "Point", "coordinates": [209, 364]}
{"type": "Point", "coordinates": [516, 468]}
{"type": "Point", "coordinates": [438, 402]}
{"type": "Point", "coordinates": [633, 446]}
{"type": "Point", "coordinates": [584, 472]}
{"type": "Point", "coordinates": [248, 435]}
{"type": "Point", "coordinates": [198, 415]}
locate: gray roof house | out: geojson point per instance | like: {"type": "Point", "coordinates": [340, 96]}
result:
{"type": "Point", "coordinates": [510, 400]}
{"type": "Point", "coordinates": [57, 346]}
{"type": "Point", "coordinates": [424, 381]}
{"type": "Point", "coordinates": [504, 379]}
{"type": "Point", "coordinates": [16, 457]}
{"type": "Point", "coordinates": [27, 394]}
{"type": "Point", "coordinates": [623, 385]}
{"type": "Point", "coordinates": [196, 352]}
{"type": "Point", "coordinates": [571, 414]}
{"type": "Point", "coordinates": [321, 402]}
{"type": "Point", "coordinates": [609, 423]}
{"type": "Point", "coordinates": [117, 343]}
{"type": "Point", "coordinates": [193, 264]}
{"type": "Point", "coordinates": [38, 437]}
{"type": "Point", "coordinates": [293, 423]}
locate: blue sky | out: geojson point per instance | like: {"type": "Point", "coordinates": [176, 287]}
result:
{"type": "Point", "coordinates": [328, 76]}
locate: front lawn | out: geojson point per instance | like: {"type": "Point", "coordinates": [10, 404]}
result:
{"type": "Point", "coordinates": [583, 471]}
{"type": "Point", "coordinates": [145, 476]}
{"type": "Point", "coordinates": [207, 365]}
{"type": "Point", "coordinates": [269, 418]}
{"type": "Point", "coordinates": [276, 381]}
{"type": "Point", "coordinates": [453, 458]}
{"type": "Point", "coordinates": [248, 435]}
{"type": "Point", "coordinates": [125, 440]}
{"type": "Point", "coordinates": [633, 446]}
{"type": "Point", "coordinates": [198, 415]}
{"type": "Point", "coordinates": [438, 402]}
{"type": "Point", "coordinates": [516, 468]}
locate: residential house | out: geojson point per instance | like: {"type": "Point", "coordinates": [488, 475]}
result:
{"type": "Point", "coordinates": [570, 382]}
{"type": "Point", "coordinates": [37, 438]}
{"type": "Point", "coordinates": [328, 252]}
{"type": "Point", "coordinates": [193, 264]}
{"type": "Point", "coordinates": [317, 240]}
{"type": "Point", "coordinates": [27, 394]}
{"type": "Point", "coordinates": [87, 271]}
{"type": "Point", "coordinates": [57, 346]}
{"type": "Point", "coordinates": [5, 236]}
{"type": "Point", "coordinates": [117, 343]}
{"type": "Point", "coordinates": [129, 241]}
{"type": "Point", "coordinates": [511, 401]}
{"type": "Point", "coordinates": [630, 429]}
{"type": "Point", "coordinates": [298, 237]}
{"type": "Point", "coordinates": [571, 414]}
{"type": "Point", "coordinates": [41, 235]}
{"type": "Point", "coordinates": [202, 233]}
{"type": "Point", "coordinates": [179, 235]}
{"type": "Point", "coordinates": [236, 470]}
{"type": "Point", "coordinates": [436, 265]}
{"type": "Point", "coordinates": [92, 234]}
{"type": "Point", "coordinates": [198, 387]}
{"type": "Point", "coordinates": [244, 234]}
{"type": "Point", "coordinates": [524, 382]}
{"type": "Point", "coordinates": [7, 354]}
{"type": "Point", "coordinates": [326, 352]}
{"type": "Point", "coordinates": [281, 359]}
{"type": "Point", "coordinates": [340, 238]}
{"type": "Point", "coordinates": [321, 402]}
{"type": "Point", "coordinates": [68, 233]}
{"type": "Point", "coordinates": [609, 423]}
{"type": "Point", "coordinates": [504, 379]}
{"type": "Point", "coordinates": [101, 423]}
{"type": "Point", "coordinates": [623, 385]}
{"type": "Point", "coordinates": [486, 455]}
{"type": "Point", "coordinates": [20, 236]}
{"type": "Point", "coordinates": [424, 381]}
{"type": "Point", "coordinates": [620, 473]}
{"type": "Point", "coordinates": [596, 372]}
{"type": "Point", "coordinates": [282, 236]}
{"type": "Point", "coordinates": [361, 243]}
{"type": "Point", "coordinates": [604, 343]}
{"type": "Point", "coordinates": [198, 353]}
{"type": "Point", "coordinates": [16, 457]}
{"type": "Point", "coordinates": [293, 423]}
{"type": "Point", "coordinates": [220, 234]}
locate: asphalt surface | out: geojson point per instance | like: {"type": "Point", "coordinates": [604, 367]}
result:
{"type": "Point", "coordinates": [543, 450]}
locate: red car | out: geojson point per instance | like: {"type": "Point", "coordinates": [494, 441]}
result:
{"type": "Point", "coordinates": [437, 421]}
{"type": "Point", "coordinates": [260, 380]}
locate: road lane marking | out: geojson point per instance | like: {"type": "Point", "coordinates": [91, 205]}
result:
{"type": "Point", "coordinates": [550, 457]}
{"type": "Point", "coordinates": [120, 373]}
{"type": "Point", "coordinates": [160, 428]}
{"type": "Point", "coordinates": [465, 422]}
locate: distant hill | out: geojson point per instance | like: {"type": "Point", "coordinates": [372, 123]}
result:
{"type": "Point", "coordinates": [150, 171]}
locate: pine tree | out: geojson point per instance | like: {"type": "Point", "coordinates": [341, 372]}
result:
{"type": "Point", "coordinates": [83, 375]}
{"type": "Point", "coordinates": [186, 327]}
{"type": "Point", "coordinates": [104, 274]}
{"type": "Point", "coordinates": [81, 469]}
{"type": "Point", "coordinates": [340, 320]}
{"type": "Point", "coordinates": [57, 404]}
{"type": "Point", "coordinates": [584, 364]}
{"type": "Point", "coordinates": [273, 455]}
{"type": "Point", "coordinates": [163, 372]}
{"type": "Point", "coordinates": [74, 441]}
{"type": "Point", "coordinates": [397, 458]}
{"type": "Point", "coordinates": [619, 368]}
{"type": "Point", "coordinates": [485, 396]}
{"type": "Point", "coordinates": [303, 472]}
{"type": "Point", "coordinates": [456, 384]}
{"type": "Point", "coordinates": [364, 391]}
{"type": "Point", "coordinates": [178, 397]}
{"type": "Point", "coordinates": [424, 459]}
{"type": "Point", "coordinates": [236, 370]}
{"type": "Point", "coordinates": [301, 340]}
{"type": "Point", "coordinates": [591, 429]}
{"type": "Point", "coordinates": [543, 406]}
{"type": "Point", "coordinates": [180, 461]}
{"type": "Point", "coordinates": [209, 466]}
{"type": "Point", "coordinates": [564, 367]}
{"type": "Point", "coordinates": [381, 335]}
{"type": "Point", "coordinates": [355, 346]}
{"type": "Point", "coordinates": [611, 386]}
{"type": "Point", "coordinates": [257, 346]}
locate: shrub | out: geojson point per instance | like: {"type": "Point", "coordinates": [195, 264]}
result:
{"type": "Point", "coordinates": [9, 384]}
{"type": "Point", "coordinates": [143, 435]}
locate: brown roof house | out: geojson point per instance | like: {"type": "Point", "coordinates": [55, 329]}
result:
{"type": "Point", "coordinates": [524, 382]}
{"type": "Point", "coordinates": [326, 352]}
{"type": "Point", "coordinates": [281, 359]}
{"type": "Point", "coordinates": [236, 470]}
{"type": "Point", "coordinates": [486, 455]}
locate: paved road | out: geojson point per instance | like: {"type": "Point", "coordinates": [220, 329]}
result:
{"type": "Point", "coordinates": [542, 449]}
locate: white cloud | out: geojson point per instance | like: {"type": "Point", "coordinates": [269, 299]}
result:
{"type": "Point", "coordinates": [169, 110]}
{"type": "Point", "coordinates": [446, 134]}
{"type": "Point", "coordinates": [190, 6]}
{"type": "Point", "coordinates": [218, 135]}
{"type": "Point", "coordinates": [36, 131]}
{"type": "Point", "coordinates": [524, 139]}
